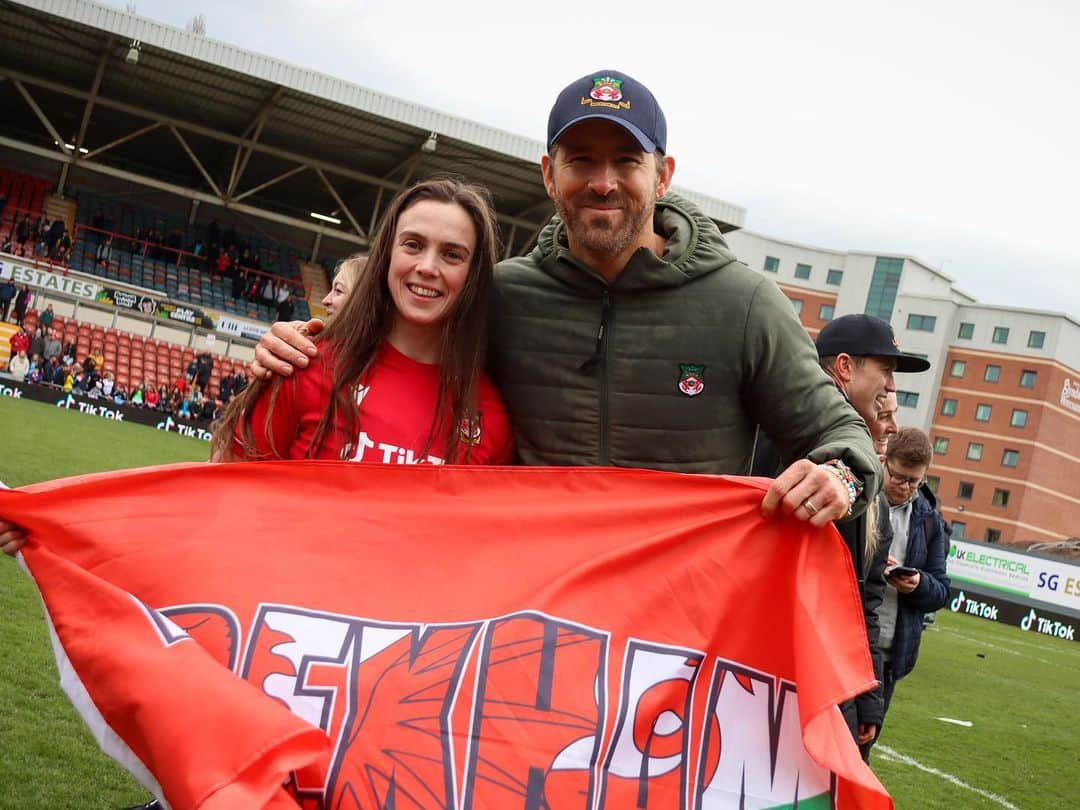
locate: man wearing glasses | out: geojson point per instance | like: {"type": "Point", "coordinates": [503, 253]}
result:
{"type": "Point", "coordinates": [915, 571]}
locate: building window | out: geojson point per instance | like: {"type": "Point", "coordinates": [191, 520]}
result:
{"type": "Point", "coordinates": [1036, 339]}
{"type": "Point", "coordinates": [982, 412]}
{"type": "Point", "coordinates": [921, 323]}
{"type": "Point", "coordinates": [1001, 334]}
{"type": "Point", "coordinates": [908, 399]}
{"type": "Point", "coordinates": [965, 490]}
{"type": "Point", "coordinates": [826, 312]}
{"type": "Point", "coordinates": [967, 331]}
{"type": "Point", "coordinates": [834, 277]}
{"type": "Point", "coordinates": [1010, 458]}
{"type": "Point", "coordinates": [884, 285]}
{"type": "Point", "coordinates": [974, 451]}
{"type": "Point", "coordinates": [797, 304]}
{"type": "Point", "coordinates": [1001, 497]}
{"type": "Point", "coordinates": [932, 483]}
{"type": "Point", "coordinates": [1018, 418]}
{"type": "Point", "coordinates": [772, 264]}
{"type": "Point", "coordinates": [958, 368]}
{"type": "Point", "coordinates": [993, 535]}
{"type": "Point", "coordinates": [958, 529]}
{"type": "Point", "coordinates": [948, 407]}
{"type": "Point", "coordinates": [802, 271]}
{"type": "Point", "coordinates": [992, 373]}
{"type": "Point", "coordinates": [941, 445]}
{"type": "Point", "coordinates": [1027, 378]}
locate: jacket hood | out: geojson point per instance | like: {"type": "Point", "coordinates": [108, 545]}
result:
{"type": "Point", "coordinates": [928, 497]}
{"type": "Point", "coordinates": [694, 247]}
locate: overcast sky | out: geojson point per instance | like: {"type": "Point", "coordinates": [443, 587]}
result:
{"type": "Point", "coordinates": [944, 129]}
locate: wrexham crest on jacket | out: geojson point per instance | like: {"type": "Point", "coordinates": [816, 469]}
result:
{"type": "Point", "coordinates": [691, 379]}
{"type": "Point", "coordinates": [606, 92]}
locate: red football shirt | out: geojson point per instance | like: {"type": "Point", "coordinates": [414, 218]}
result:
{"type": "Point", "coordinates": [397, 407]}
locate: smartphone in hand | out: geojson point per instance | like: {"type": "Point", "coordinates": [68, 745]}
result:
{"type": "Point", "coordinates": [900, 571]}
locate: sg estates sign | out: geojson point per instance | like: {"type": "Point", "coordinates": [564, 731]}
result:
{"type": "Point", "coordinates": [20, 273]}
{"type": "Point", "coordinates": [1014, 573]}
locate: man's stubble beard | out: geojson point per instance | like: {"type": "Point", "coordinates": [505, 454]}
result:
{"type": "Point", "coordinates": [602, 239]}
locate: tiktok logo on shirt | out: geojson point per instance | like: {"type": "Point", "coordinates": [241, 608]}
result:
{"type": "Point", "coordinates": [385, 452]}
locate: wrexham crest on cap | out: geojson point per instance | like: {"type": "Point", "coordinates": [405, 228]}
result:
{"type": "Point", "coordinates": [691, 379]}
{"type": "Point", "coordinates": [606, 92]}
{"type": "Point", "coordinates": [605, 88]}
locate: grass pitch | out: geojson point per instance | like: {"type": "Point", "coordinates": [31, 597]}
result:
{"type": "Point", "coordinates": [1018, 690]}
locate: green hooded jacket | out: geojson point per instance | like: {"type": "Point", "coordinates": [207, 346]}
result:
{"type": "Point", "coordinates": [672, 366]}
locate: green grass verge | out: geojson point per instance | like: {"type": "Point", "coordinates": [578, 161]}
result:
{"type": "Point", "coordinates": [1017, 689]}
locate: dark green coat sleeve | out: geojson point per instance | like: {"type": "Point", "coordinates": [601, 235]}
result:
{"type": "Point", "coordinates": [793, 400]}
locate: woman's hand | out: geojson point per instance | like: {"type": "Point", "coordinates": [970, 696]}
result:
{"type": "Point", "coordinates": [12, 538]}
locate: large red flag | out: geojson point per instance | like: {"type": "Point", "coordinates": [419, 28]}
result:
{"type": "Point", "coordinates": [349, 635]}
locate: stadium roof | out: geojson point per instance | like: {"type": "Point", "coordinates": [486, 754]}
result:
{"type": "Point", "coordinates": [102, 91]}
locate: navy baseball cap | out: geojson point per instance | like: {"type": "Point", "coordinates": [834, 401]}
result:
{"type": "Point", "coordinates": [612, 96]}
{"type": "Point", "coordinates": [866, 336]}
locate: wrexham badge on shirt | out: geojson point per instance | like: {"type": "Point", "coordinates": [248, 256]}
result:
{"type": "Point", "coordinates": [691, 379]}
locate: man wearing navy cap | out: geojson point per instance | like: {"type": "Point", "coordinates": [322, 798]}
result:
{"type": "Point", "coordinates": [632, 336]}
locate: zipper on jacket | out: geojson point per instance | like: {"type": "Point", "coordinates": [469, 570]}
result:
{"type": "Point", "coordinates": [599, 358]}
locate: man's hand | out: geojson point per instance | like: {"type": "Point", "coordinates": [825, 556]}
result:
{"type": "Point", "coordinates": [12, 538]}
{"type": "Point", "coordinates": [867, 733]}
{"type": "Point", "coordinates": [285, 348]}
{"type": "Point", "coordinates": [809, 492]}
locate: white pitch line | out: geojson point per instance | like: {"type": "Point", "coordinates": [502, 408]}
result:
{"type": "Point", "coordinates": [892, 755]}
{"type": "Point", "coordinates": [992, 646]}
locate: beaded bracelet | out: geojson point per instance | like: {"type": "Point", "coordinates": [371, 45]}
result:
{"type": "Point", "coordinates": [847, 477]}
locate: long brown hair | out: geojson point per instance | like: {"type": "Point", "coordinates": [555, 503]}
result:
{"type": "Point", "coordinates": [365, 320]}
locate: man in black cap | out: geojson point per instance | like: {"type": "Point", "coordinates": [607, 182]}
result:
{"type": "Point", "coordinates": [632, 336]}
{"type": "Point", "coordinates": [861, 354]}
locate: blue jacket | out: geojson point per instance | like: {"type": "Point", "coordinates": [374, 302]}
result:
{"type": "Point", "coordinates": [927, 549]}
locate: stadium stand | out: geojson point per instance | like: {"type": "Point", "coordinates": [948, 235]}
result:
{"type": "Point", "coordinates": [133, 358]}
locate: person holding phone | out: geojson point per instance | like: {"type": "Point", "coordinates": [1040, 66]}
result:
{"type": "Point", "coordinates": [915, 571]}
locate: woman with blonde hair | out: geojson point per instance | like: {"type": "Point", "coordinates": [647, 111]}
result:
{"type": "Point", "coordinates": [345, 276]}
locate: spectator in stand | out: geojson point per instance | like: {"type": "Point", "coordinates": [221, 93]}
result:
{"type": "Point", "coordinates": [22, 303]}
{"type": "Point", "coordinates": [119, 395]}
{"type": "Point", "coordinates": [181, 384]}
{"type": "Point", "coordinates": [52, 348]}
{"type": "Point", "coordinates": [209, 410]}
{"type": "Point", "coordinates": [224, 263]}
{"type": "Point", "coordinates": [240, 382]}
{"type": "Point", "coordinates": [37, 342]}
{"type": "Point", "coordinates": [19, 365]}
{"type": "Point", "coordinates": [41, 237]}
{"type": "Point", "coordinates": [267, 295]}
{"type": "Point", "coordinates": [151, 398]}
{"type": "Point", "coordinates": [37, 371]}
{"type": "Point", "coordinates": [68, 355]}
{"type": "Point", "coordinates": [20, 342]}
{"type": "Point", "coordinates": [7, 295]}
{"type": "Point", "coordinates": [69, 378]}
{"type": "Point", "coordinates": [138, 394]}
{"type": "Point", "coordinates": [23, 234]}
{"type": "Point", "coordinates": [212, 256]}
{"type": "Point", "coordinates": [46, 318]}
{"type": "Point", "coordinates": [205, 363]}
{"type": "Point", "coordinates": [229, 237]}
{"type": "Point", "coordinates": [53, 234]}
{"type": "Point", "coordinates": [7, 246]}
{"type": "Point", "coordinates": [103, 255]}
{"type": "Point", "coordinates": [225, 387]}
{"type": "Point", "coordinates": [51, 370]}
{"type": "Point", "coordinates": [62, 249]}
{"type": "Point", "coordinates": [108, 383]}
{"type": "Point", "coordinates": [164, 395]}
{"type": "Point", "coordinates": [55, 374]}
{"type": "Point", "coordinates": [285, 308]}
{"type": "Point", "coordinates": [173, 401]}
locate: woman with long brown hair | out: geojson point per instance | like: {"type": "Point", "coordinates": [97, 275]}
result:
{"type": "Point", "coordinates": [401, 377]}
